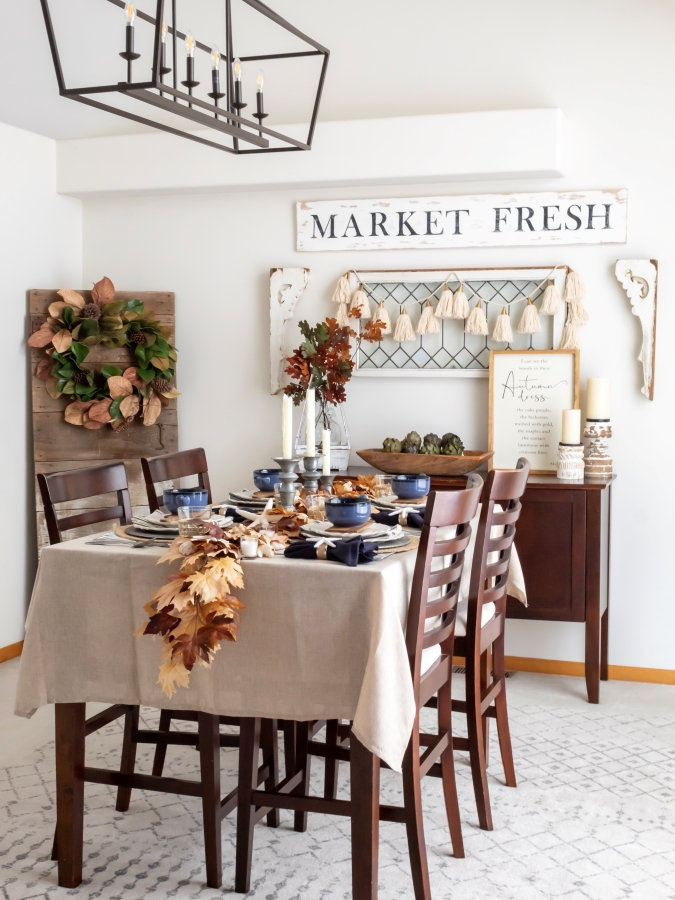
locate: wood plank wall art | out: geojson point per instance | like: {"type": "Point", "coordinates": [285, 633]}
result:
{"type": "Point", "coordinates": [59, 446]}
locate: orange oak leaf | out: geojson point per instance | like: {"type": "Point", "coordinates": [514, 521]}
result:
{"type": "Point", "coordinates": [162, 622]}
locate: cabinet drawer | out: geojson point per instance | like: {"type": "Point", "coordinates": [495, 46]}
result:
{"type": "Point", "coordinates": [551, 544]}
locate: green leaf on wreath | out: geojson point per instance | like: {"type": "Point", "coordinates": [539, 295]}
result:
{"type": "Point", "coordinates": [88, 327]}
{"type": "Point", "coordinates": [110, 371]}
{"type": "Point", "coordinates": [79, 351]}
{"type": "Point", "coordinates": [66, 372]}
{"type": "Point", "coordinates": [114, 410]}
{"type": "Point", "coordinates": [67, 315]}
{"type": "Point", "coordinates": [75, 333]}
{"type": "Point", "coordinates": [140, 355]}
{"type": "Point", "coordinates": [113, 309]}
{"type": "Point", "coordinates": [150, 338]}
{"type": "Point", "coordinates": [60, 384]}
{"type": "Point", "coordinates": [135, 306]}
{"type": "Point", "coordinates": [68, 387]}
{"type": "Point", "coordinates": [146, 374]}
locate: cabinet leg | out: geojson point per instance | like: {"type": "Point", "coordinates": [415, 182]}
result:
{"type": "Point", "coordinates": [593, 654]}
{"type": "Point", "coordinates": [604, 642]}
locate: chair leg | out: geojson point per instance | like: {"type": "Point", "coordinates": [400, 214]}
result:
{"type": "Point", "coordinates": [448, 771]}
{"type": "Point", "coordinates": [55, 847]}
{"type": "Point", "coordinates": [474, 724]}
{"type": "Point", "coordinates": [303, 763]}
{"type": "Point", "coordinates": [414, 822]}
{"type": "Point", "coordinates": [209, 759]}
{"type": "Point", "coordinates": [502, 714]}
{"type": "Point", "coordinates": [249, 736]}
{"type": "Point", "coordinates": [484, 682]}
{"type": "Point", "coordinates": [160, 748]}
{"type": "Point", "coordinates": [289, 730]}
{"type": "Point", "coordinates": [128, 756]}
{"type": "Point", "coordinates": [270, 757]}
{"type": "Point", "coordinates": [331, 773]}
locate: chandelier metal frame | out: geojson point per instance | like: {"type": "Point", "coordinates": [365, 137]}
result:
{"type": "Point", "coordinates": [227, 118]}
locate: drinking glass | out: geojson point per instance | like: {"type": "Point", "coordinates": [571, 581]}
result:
{"type": "Point", "coordinates": [193, 520]}
{"type": "Point", "coordinates": [316, 506]}
{"type": "Point", "coordinates": [383, 486]}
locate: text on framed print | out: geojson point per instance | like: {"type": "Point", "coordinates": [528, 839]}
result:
{"type": "Point", "coordinates": [481, 220]}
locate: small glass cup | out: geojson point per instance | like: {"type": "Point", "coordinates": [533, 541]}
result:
{"type": "Point", "coordinates": [193, 520]}
{"type": "Point", "coordinates": [277, 494]}
{"type": "Point", "coordinates": [316, 506]}
{"type": "Point", "coordinates": [249, 546]}
{"type": "Point", "coordinates": [383, 486]}
{"type": "Point", "coordinates": [268, 530]}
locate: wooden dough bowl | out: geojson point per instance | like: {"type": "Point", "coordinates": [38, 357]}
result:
{"type": "Point", "coordinates": [414, 463]}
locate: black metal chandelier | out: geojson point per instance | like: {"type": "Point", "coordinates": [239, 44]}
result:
{"type": "Point", "coordinates": [224, 112]}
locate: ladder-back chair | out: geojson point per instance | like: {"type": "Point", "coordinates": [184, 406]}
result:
{"type": "Point", "coordinates": [171, 466]}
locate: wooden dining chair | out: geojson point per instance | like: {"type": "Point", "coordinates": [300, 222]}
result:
{"type": "Point", "coordinates": [429, 642]}
{"type": "Point", "coordinates": [481, 635]}
{"type": "Point", "coordinates": [171, 466]}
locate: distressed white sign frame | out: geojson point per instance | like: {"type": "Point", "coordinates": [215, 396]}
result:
{"type": "Point", "coordinates": [480, 220]}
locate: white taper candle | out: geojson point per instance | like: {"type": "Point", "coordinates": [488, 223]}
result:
{"type": "Point", "coordinates": [310, 418]}
{"type": "Point", "coordinates": [287, 427]}
{"type": "Point", "coordinates": [325, 446]}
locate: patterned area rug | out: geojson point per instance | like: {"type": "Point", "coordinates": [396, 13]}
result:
{"type": "Point", "coordinates": [593, 818]}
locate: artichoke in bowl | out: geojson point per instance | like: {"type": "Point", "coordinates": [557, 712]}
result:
{"type": "Point", "coordinates": [391, 445]}
{"type": "Point", "coordinates": [409, 447]}
{"type": "Point", "coordinates": [430, 448]}
{"type": "Point", "coordinates": [451, 445]}
{"type": "Point", "coordinates": [413, 438]}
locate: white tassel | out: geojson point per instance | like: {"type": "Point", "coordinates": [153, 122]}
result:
{"type": "Point", "coordinates": [476, 323]}
{"type": "Point", "coordinates": [460, 306]}
{"type": "Point", "coordinates": [444, 307]}
{"type": "Point", "coordinates": [577, 314]}
{"type": "Point", "coordinates": [360, 302]}
{"type": "Point", "coordinates": [570, 338]}
{"type": "Point", "coordinates": [428, 323]}
{"type": "Point", "coordinates": [503, 333]}
{"type": "Point", "coordinates": [342, 315]}
{"type": "Point", "coordinates": [342, 291]}
{"type": "Point", "coordinates": [575, 289]}
{"type": "Point", "coordinates": [404, 328]}
{"type": "Point", "coordinates": [529, 321]}
{"type": "Point", "coordinates": [550, 301]}
{"type": "Point", "coordinates": [381, 315]}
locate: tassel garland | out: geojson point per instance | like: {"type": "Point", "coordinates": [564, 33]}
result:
{"type": "Point", "coordinates": [550, 301]}
{"type": "Point", "coordinates": [445, 305]}
{"type": "Point", "coordinates": [503, 333]}
{"type": "Point", "coordinates": [343, 315]}
{"type": "Point", "coordinates": [577, 314]}
{"type": "Point", "coordinates": [476, 323]}
{"type": "Point", "coordinates": [381, 315]}
{"type": "Point", "coordinates": [460, 306]}
{"type": "Point", "coordinates": [342, 291]}
{"type": "Point", "coordinates": [428, 323]}
{"type": "Point", "coordinates": [404, 328]}
{"type": "Point", "coordinates": [529, 322]}
{"type": "Point", "coordinates": [360, 302]}
{"type": "Point", "coordinates": [575, 289]}
{"type": "Point", "coordinates": [570, 338]}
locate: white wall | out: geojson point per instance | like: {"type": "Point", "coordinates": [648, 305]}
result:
{"type": "Point", "coordinates": [609, 67]}
{"type": "Point", "coordinates": [40, 247]}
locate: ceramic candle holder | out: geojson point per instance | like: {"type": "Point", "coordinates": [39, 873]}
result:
{"type": "Point", "coordinates": [571, 462]}
{"type": "Point", "coordinates": [310, 477]}
{"type": "Point", "coordinates": [598, 461]}
{"type": "Point", "coordinates": [327, 483]}
{"type": "Point", "coordinates": [287, 479]}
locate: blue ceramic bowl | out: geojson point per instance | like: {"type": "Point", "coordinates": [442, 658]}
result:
{"type": "Point", "coordinates": [347, 512]}
{"type": "Point", "coordinates": [176, 497]}
{"type": "Point", "coordinates": [410, 487]}
{"type": "Point", "coordinates": [265, 479]}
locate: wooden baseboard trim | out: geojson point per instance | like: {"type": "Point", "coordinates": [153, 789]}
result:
{"type": "Point", "coordinates": [566, 667]}
{"type": "Point", "coordinates": [11, 652]}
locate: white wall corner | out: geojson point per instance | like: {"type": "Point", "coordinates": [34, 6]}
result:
{"type": "Point", "coordinates": [524, 143]}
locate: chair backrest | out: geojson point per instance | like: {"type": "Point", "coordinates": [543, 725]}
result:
{"type": "Point", "coordinates": [78, 484]}
{"type": "Point", "coordinates": [174, 465]}
{"type": "Point", "coordinates": [500, 506]}
{"type": "Point", "coordinates": [443, 509]}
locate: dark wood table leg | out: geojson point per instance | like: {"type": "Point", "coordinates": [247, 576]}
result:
{"type": "Point", "coordinates": [209, 757]}
{"type": "Point", "coordinates": [365, 797]}
{"type": "Point", "coordinates": [69, 727]}
{"type": "Point", "coordinates": [604, 643]}
{"type": "Point", "coordinates": [249, 743]}
{"type": "Point", "coordinates": [593, 651]}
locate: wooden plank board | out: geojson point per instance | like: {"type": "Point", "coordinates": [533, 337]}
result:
{"type": "Point", "coordinates": [58, 446]}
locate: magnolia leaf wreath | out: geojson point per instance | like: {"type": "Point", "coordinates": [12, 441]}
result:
{"type": "Point", "coordinates": [112, 396]}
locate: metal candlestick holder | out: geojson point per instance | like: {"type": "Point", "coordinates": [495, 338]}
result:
{"type": "Point", "coordinates": [310, 477]}
{"type": "Point", "coordinates": [570, 462]}
{"type": "Point", "coordinates": [597, 458]}
{"type": "Point", "coordinates": [327, 483]}
{"type": "Point", "coordinates": [287, 477]}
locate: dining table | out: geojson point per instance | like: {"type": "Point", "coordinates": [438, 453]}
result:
{"type": "Point", "coordinates": [316, 640]}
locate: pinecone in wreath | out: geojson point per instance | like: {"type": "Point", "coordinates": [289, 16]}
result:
{"type": "Point", "coordinates": [161, 385]}
{"type": "Point", "coordinates": [122, 424]}
{"type": "Point", "coordinates": [92, 311]}
{"type": "Point", "coordinates": [80, 378]}
{"type": "Point", "coordinates": [138, 338]}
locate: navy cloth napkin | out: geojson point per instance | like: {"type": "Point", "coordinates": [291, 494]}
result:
{"type": "Point", "coordinates": [414, 520]}
{"type": "Point", "coordinates": [352, 552]}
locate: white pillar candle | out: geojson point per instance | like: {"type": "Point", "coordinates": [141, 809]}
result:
{"type": "Point", "coordinates": [325, 446]}
{"type": "Point", "coordinates": [571, 426]}
{"type": "Point", "coordinates": [310, 417]}
{"type": "Point", "coordinates": [597, 398]}
{"type": "Point", "coordinates": [287, 427]}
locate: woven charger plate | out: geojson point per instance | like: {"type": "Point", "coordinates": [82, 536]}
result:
{"type": "Point", "coordinates": [121, 531]}
{"type": "Point", "coordinates": [413, 545]}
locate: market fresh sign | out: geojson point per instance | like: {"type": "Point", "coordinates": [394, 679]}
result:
{"type": "Point", "coordinates": [481, 220]}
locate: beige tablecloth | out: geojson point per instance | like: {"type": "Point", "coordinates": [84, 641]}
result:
{"type": "Point", "coordinates": [317, 640]}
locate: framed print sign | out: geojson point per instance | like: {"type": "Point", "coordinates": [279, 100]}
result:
{"type": "Point", "coordinates": [529, 389]}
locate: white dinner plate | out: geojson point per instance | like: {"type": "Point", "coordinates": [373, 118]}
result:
{"type": "Point", "coordinates": [374, 530]}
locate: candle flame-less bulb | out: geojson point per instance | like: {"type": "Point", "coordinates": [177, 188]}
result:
{"type": "Point", "coordinates": [164, 31]}
{"type": "Point", "coordinates": [215, 58]}
{"type": "Point", "coordinates": [237, 70]}
{"type": "Point", "coordinates": [130, 11]}
{"type": "Point", "coordinates": [190, 43]}
{"type": "Point", "coordinates": [261, 80]}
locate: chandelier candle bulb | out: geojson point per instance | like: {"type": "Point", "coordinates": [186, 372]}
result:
{"type": "Point", "coordinates": [571, 426]}
{"type": "Point", "coordinates": [597, 399]}
{"type": "Point", "coordinates": [260, 109]}
{"type": "Point", "coordinates": [215, 70]}
{"type": "Point", "coordinates": [325, 446]}
{"type": "Point", "coordinates": [310, 422]}
{"type": "Point", "coordinates": [130, 10]}
{"type": "Point", "coordinates": [190, 48]}
{"type": "Point", "coordinates": [163, 68]}
{"type": "Point", "coordinates": [287, 427]}
{"type": "Point", "coordinates": [238, 103]}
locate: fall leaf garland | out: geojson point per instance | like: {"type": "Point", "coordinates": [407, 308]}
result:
{"type": "Point", "coordinates": [112, 396]}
